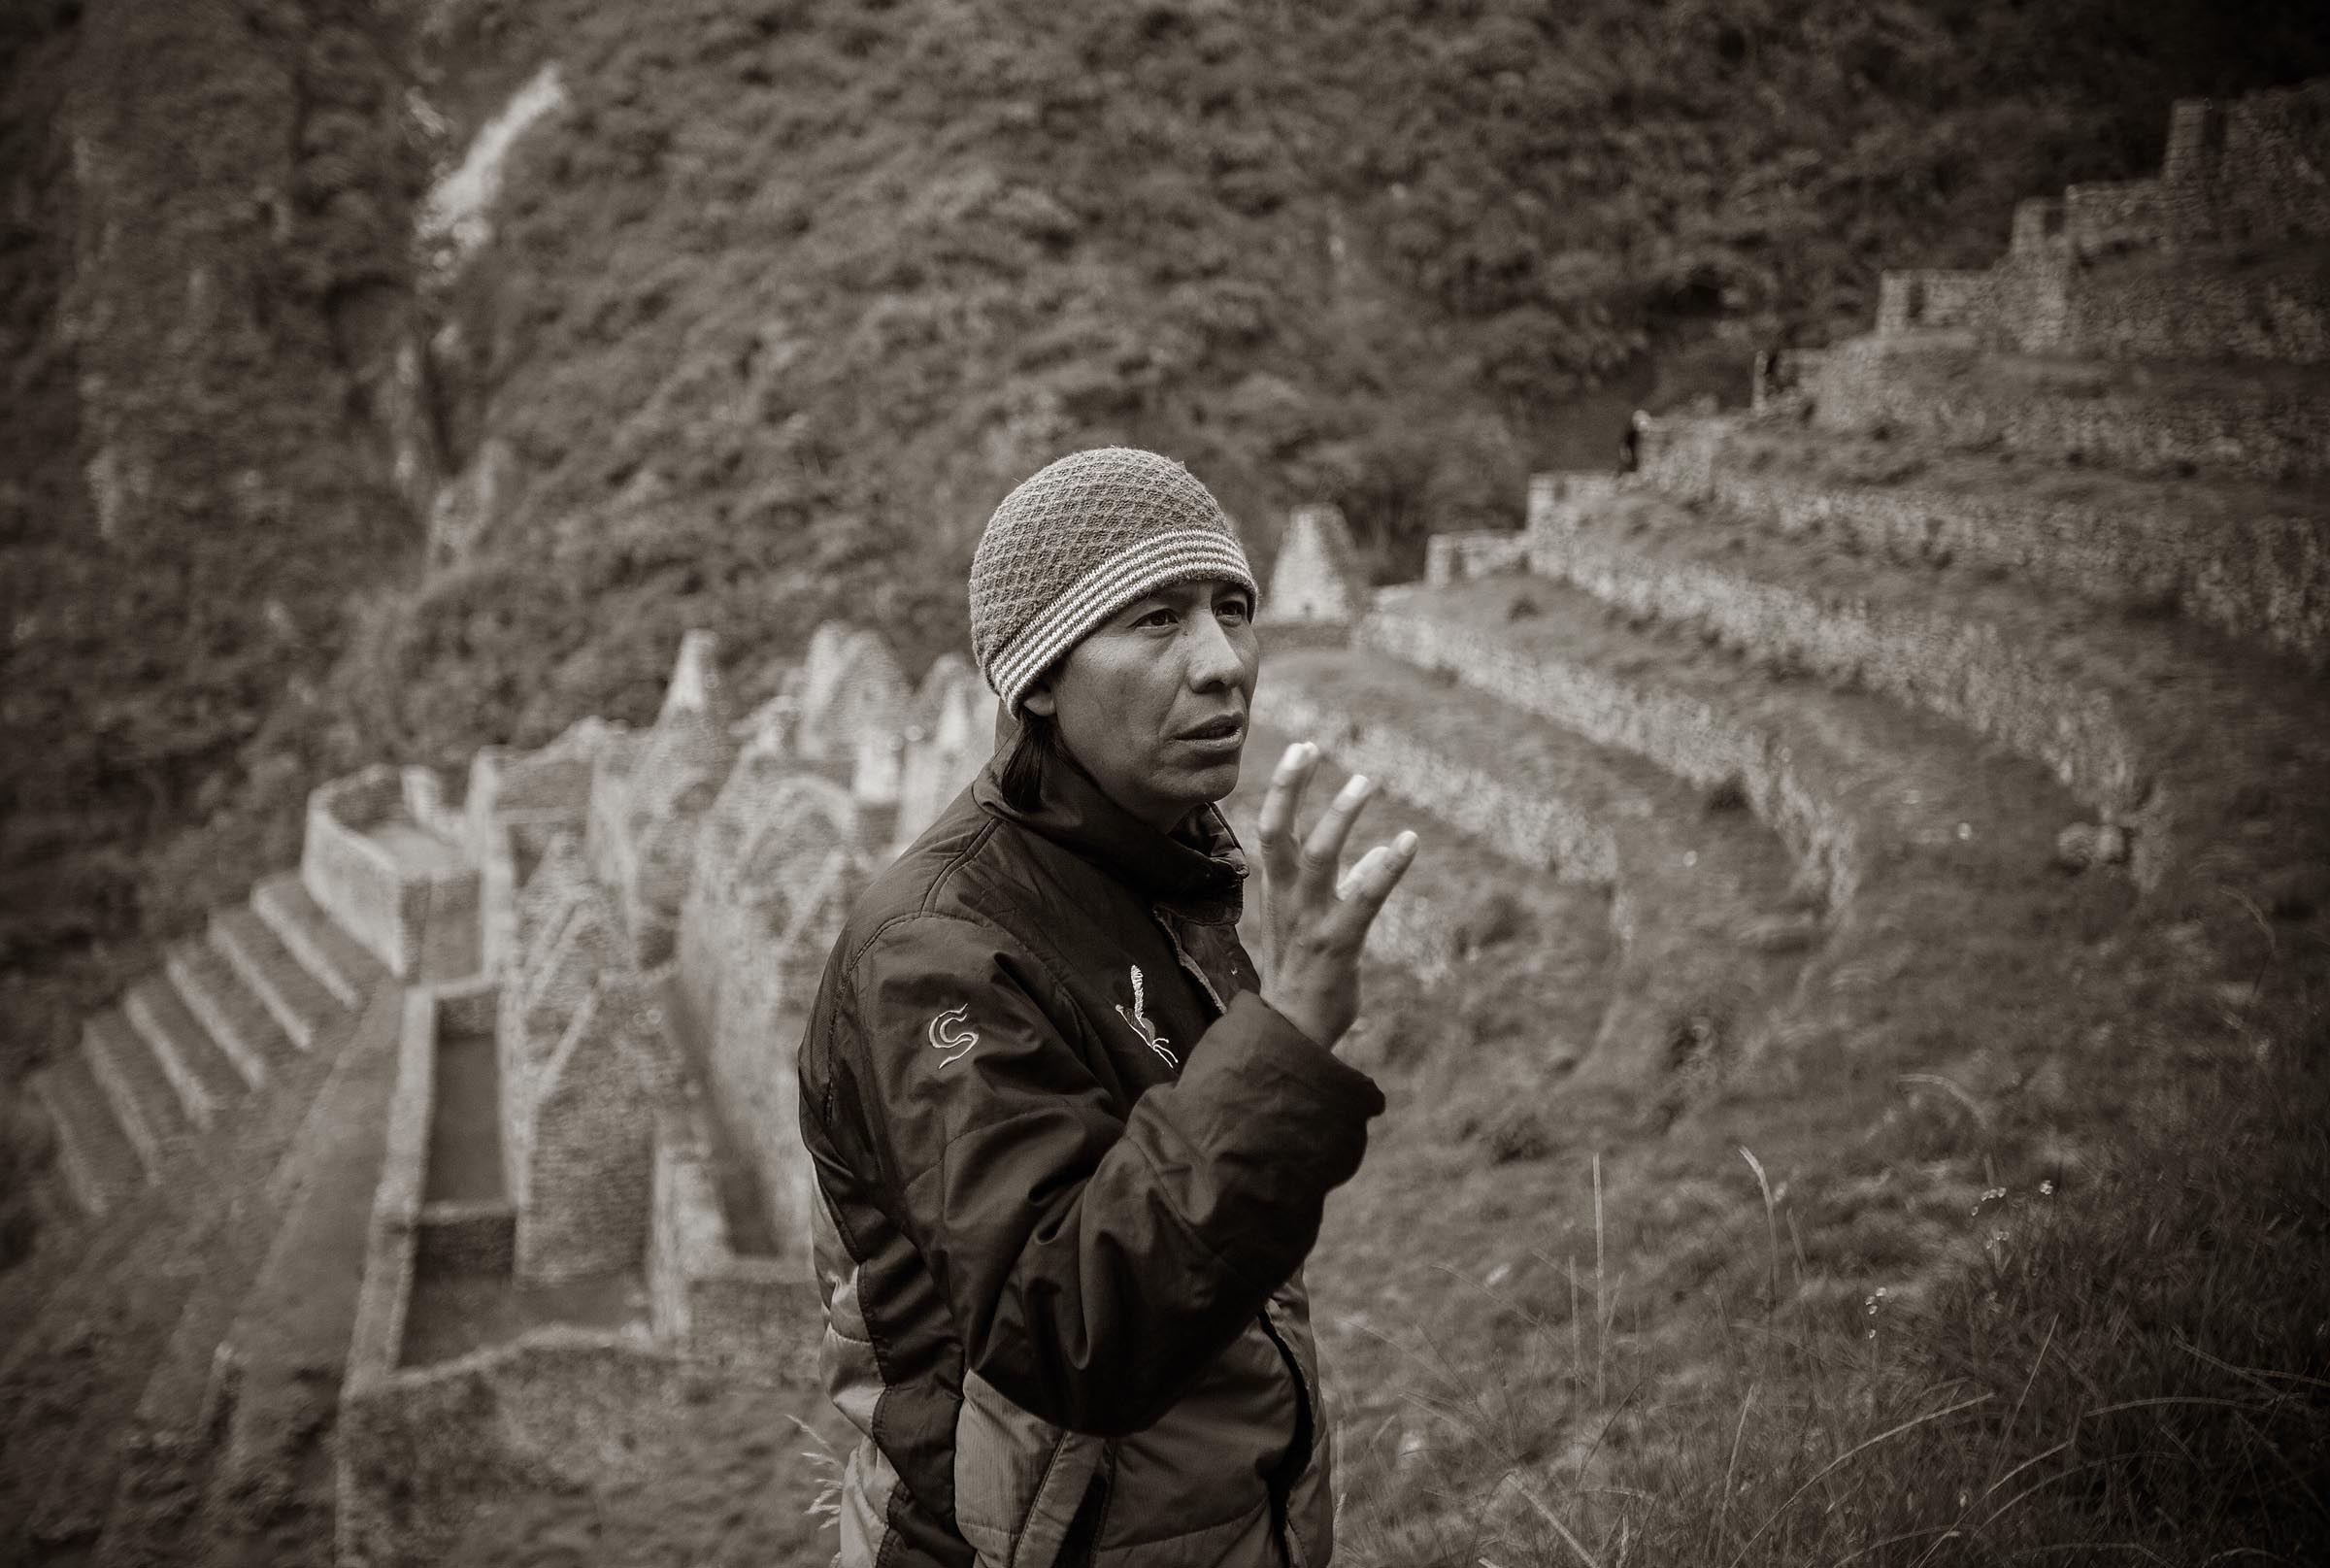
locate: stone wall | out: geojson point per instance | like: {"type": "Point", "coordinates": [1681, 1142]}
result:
{"type": "Point", "coordinates": [1909, 301]}
{"type": "Point", "coordinates": [584, 1206]}
{"type": "Point", "coordinates": [2245, 174]}
{"type": "Point", "coordinates": [705, 1296]}
{"type": "Point", "coordinates": [1681, 736]}
{"type": "Point", "coordinates": [849, 688]}
{"type": "Point", "coordinates": [2254, 429]}
{"type": "Point", "coordinates": [2163, 310]}
{"type": "Point", "coordinates": [1964, 670]}
{"type": "Point", "coordinates": [648, 795]}
{"type": "Point", "coordinates": [419, 922]}
{"type": "Point", "coordinates": [376, 1345]}
{"type": "Point", "coordinates": [2101, 218]}
{"type": "Point", "coordinates": [1484, 552]}
{"type": "Point", "coordinates": [780, 861]}
{"type": "Point", "coordinates": [2154, 308]}
{"type": "Point", "coordinates": [953, 736]}
{"type": "Point", "coordinates": [1539, 831]}
{"type": "Point", "coordinates": [1550, 492]}
{"type": "Point", "coordinates": [552, 783]}
{"type": "Point", "coordinates": [2250, 171]}
{"type": "Point", "coordinates": [1317, 578]}
{"type": "Point", "coordinates": [419, 1452]}
{"type": "Point", "coordinates": [477, 1236]}
{"type": "Point", "coordinates": [2250, 565]}
{"type": "Point", "coordinates": [566, 939]}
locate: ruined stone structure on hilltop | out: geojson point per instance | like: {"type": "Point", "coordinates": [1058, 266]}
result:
{"type": "Point", "coordinates": [2139, 268]}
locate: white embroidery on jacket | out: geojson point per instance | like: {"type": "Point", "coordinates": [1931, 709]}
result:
{"type": "Point", "coordinates": [948, 1034]}
{"type": "Point", "coordinates": [1137, 1018]}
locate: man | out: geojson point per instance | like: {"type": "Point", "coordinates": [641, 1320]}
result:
{"type": "Point", "coordinates": [1070, 1153]}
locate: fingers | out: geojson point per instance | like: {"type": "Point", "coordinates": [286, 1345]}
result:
{"type": "Point", "coordinates": [1368, 884]}
{"type": "Point", "coordinates": [1278, 807]}
{"type": "Point", "coordinates": [1322, 851]}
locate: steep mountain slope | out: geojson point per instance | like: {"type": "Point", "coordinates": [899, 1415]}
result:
{"type": "Point", "coordinates": [788, 294]}
{"type": "Point", "coordinates": [206, 255]}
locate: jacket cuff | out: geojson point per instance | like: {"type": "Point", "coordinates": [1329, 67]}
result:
{"type": "Point", "coordinates": [1336, 1082]}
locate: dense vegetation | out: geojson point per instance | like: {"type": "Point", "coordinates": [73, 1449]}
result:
{"type": "Point", "coordinates": [793, 292]}
{"type": "Point", "coordinates": [208, 211]}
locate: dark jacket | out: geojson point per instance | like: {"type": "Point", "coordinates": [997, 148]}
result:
{"type": "Point", "coordinates": [1070, 1164]}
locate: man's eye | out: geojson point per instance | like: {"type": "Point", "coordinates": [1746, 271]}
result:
{"type": "Point", "coordinates": [1234, 609]}
{"type": "Point", "coordinates": [1160, 617]}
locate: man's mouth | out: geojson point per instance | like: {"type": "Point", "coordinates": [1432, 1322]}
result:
{"type": "Point", "coordinates": [1219, 729]}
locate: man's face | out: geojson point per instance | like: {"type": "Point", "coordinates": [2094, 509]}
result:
{"type": "Point", "coordinates": [1154, 702]}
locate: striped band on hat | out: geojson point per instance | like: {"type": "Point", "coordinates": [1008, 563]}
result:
{"type": "Point", "coordinates": [1186, 557]}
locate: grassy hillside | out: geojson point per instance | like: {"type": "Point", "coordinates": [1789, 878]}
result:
{"type": "Point", "coordinates": [790, 293]}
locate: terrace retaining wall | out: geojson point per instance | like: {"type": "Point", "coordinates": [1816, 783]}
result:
{"type": "Point", "coordinates": [1966, 671]}
{"type": "Point", "coordinates": [2252, 429]}
{"type": "Point", "coordinates": [704, 1294]}
{"type": "Point", "coordinates": [421, 924]}
{"type": "Point", "coordinates": [2254, 573]}
{"type": "Point", "coordinates": [1682, 736]}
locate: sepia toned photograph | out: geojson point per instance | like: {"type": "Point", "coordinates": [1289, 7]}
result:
{"type": "Point", "coordinates": [1165, 783]}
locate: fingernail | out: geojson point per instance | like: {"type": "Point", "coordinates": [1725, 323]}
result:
{"type": "Point", "coordinates": [1404, 843]}
{"type": "Point", "coordinates": [1360, 783]}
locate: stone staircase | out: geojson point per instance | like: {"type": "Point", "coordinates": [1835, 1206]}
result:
{"type": "Point", "coordinates": [188, 1125]}
{"type": "Point", "coordinates": [222, 1017]}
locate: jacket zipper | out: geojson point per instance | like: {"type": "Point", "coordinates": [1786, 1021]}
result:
{"type": "Point", "coordinates": [1306, 1430]}
{"type": "Point", "coordinates": [1180, 955]}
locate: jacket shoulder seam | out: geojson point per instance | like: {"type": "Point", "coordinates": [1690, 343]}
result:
{"type": "Point", "coordinates": [956, 863]}
{"type": "Point", "coordinates": [979, 923]}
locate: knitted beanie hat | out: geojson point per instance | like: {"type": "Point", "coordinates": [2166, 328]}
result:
{"type": "Point", "coordinates": [1079, 541]}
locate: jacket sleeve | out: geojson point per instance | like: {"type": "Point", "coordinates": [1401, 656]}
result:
{"type": "Point", "coordinates": [1094, 1264]}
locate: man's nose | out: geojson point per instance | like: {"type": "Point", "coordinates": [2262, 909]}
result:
{"type": "Point", "coordinates": [1215, 657]}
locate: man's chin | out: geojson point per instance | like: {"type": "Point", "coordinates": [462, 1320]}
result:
{"type": "Point", "coordinates": [1201, 782]}
{"type": "Point", "coordinates": [1218, 778]}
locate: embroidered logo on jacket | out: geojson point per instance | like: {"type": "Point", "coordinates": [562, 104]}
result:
{"type": "Point", "coordinates": [948, 1034]}
{"type": "Point", "coordinates": [1137, 1018]}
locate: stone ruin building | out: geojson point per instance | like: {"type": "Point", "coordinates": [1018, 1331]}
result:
{"type": "Point", "coordinates": [1317, 579]}
{"type": "Point", "coordinates": [516, 1067]}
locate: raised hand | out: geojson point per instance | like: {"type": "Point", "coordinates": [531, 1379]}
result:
{"type": "Point", "coordinates": [1316, 914]}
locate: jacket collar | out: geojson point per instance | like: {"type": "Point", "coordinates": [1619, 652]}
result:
{"type": "Point", "coordinates": [1199, 872]}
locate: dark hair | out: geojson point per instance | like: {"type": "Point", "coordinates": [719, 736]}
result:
{"type": "Point", "coordinates": [1035, 748]}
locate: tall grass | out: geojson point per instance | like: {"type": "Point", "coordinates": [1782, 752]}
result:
{"type": "Point", "coordinates": [2134, 1367]}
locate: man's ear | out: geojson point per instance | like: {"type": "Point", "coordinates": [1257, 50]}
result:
{"type": "Point", "coordinates": [1040, 700]}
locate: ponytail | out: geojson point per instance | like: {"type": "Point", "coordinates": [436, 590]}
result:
{"type": "Point", "coordinates": [1035, 748]}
